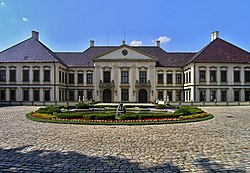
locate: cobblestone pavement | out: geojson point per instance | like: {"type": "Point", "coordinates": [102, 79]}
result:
{"type": "Point", "coordinates": [218, 145]}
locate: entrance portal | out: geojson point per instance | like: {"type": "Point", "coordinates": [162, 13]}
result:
{"type": "Point", "coordinates": [106, 96]}
{"type": "Point", "coordinates": [143, 95]}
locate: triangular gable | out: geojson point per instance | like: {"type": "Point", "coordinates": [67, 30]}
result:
{"type": "Point", "coordinates": [125, 52]}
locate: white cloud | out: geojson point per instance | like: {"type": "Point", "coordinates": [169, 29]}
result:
{"type": "Point", "coordinates": [3, 4]}
{"type": "Point", "coordinates": [135, 43]}
{"type": "Point", "coordinates": [25, 19]}
{"type": "Point", "coordinates": [163, 39]}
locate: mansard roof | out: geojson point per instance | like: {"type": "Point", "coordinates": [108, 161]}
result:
{"type": "Point", "coordinates": [30, 50]}
{"type": "Point", "coordinates": [221, 51]}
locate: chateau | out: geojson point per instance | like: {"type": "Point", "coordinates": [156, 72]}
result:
{"type": "Point", "coordinates": [31, 73]}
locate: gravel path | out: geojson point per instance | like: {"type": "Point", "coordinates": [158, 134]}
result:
{"type": "Point", "coordinates": [218, 145]}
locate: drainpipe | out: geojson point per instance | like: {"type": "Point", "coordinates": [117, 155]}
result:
{"type": "Point", "coordinates": [194, 83]}
{"type": "Point", "coordinates": [183, 81]}
{"type": "Point", "coordinates": [54, 82]}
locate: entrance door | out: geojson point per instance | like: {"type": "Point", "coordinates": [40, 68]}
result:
{"type": "Point", "coordinates": [106, 96]}
{"type": "Point", "coordinates": [143, 95]}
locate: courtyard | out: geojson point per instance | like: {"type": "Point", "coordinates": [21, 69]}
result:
{"type": "Point", "coordinates": [217, 145]}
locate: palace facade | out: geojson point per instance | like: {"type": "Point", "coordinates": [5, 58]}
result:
{"type": "Point", "coordinates": [31, 73]}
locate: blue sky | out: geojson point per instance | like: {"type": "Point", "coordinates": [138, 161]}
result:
{"type": "Point", "coordinates": [69, 25]}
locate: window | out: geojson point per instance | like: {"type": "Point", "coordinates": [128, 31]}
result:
{"type": "Point", "coordinates": [26, 75]}
{"type": "Point", "coordinates": [169, 78]}
{"type": "Point", "coordinates": [89, 78]}
{"type": "Point", "coordinates": [63, 77]}
{"type": "Point", "coordinates": [2, 95]}
{"type": "Point", "coordinates": [143, 77]}
{"type": "Point", "coordinates": [12, 75]}
{"type": "Point", "coordinates": [160, 78]}
{"type": "Point", "coordinates": [36, 75]}
{"type": "Point", "coordinates": [124, 76]}
{"type": "Point", "coordinates": [46, 76]}
{"type": "Point", "coordinates": [71, 95]}
{"type": "Point", "coordinates": [186, 78]}
{"type": "Point", "coordinates": [236, 95]}
{"type": "Point", "coordinates": [202, 75]}
{"type": "Point", "coordinates": [160, 95]}
{"type": "Point", "coordinates": [26, 95]}
{"type": "Point", "coordinates": [213, 76]}
{"type": "Point", "coordinates": [80, 78]}
{"type": "Point", "coordinates": [80, 95]}
{"type": "Point", "coordinates": [90, 95]}
{"type": "Point", "coordinates": [213, 96]}
{"type": "Point", "coordinates": [36, 95]}
{"type": "Point", "coordinates": [66, 78]}
{"type": "Point", "coordinates": [189, 76]}
{"type": "Point", "coordinates": [169, 95]}
{"type": "Point", "coordinates": [12, 95]}
{"type": "Point", "coordinates": [247, 95]}
{"type": "Point", "coordinates": [247, 76]}
{"type": "Point", "coordinates": [60, 76]}
{"type": "Point", "coordinates": [47, 95]}
{"type": "Point", "coordinates": [2, 75]}
{"type": "Point", "coordinates": [71, 78]}
{"type": "Point", "coordinates": [237, 76]}
{"type": "Point", "coordinates": [178, 78]}
{"type": "Point", "coordinates": [223, 76]}
{"type": "Point", "coordinates": [124, 94]}
{"type": "Point", "coordinates": [106, 76]}
{"type": "Point", "coordinates": [202, 96]}
{"type": "Point", "coordinates": [223, 96]}
{"type": "Point", "coordinates": [178, 95]}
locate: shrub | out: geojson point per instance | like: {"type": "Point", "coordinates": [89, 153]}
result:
{"type": "Point", "coordinates": [129, 116]}
{"type": "Point", "coordinates": [42, 115]}
{"type": "Point", "coordinates": [89, 116]}
{"type": "Point", "coordinates": [68, 115]}
{"type": "Point", "coordinates": [155, 115]}
{"type": "Point", "coordinates": [186, 110]}
{"type": "Point", "coordinates": [81, 106]}
{"type": "Point", "coordinates": [193, 116]}
{"type": "Point", "coordinates": [49, 110]}
{"type": "Point", "coordinates": [160, 107]}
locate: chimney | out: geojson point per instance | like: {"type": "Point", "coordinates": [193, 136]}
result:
{"type": "Point", "coordinates": [158, 43]}
{"type": "Point", "coordinates": [214, 35]}
{"type": "Point", "coordinates": [92, 43]}
{"type": "Point", "coordinates": [35, 35]}
{"type": "Point", "coordinates": [123, 41]}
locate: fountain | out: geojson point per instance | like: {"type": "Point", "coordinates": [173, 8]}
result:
{"type": "Point", "coordinates": [120, 110]}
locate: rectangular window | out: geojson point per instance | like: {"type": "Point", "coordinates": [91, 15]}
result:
{"type": "Point", "coordinates": [80, 95]}
{"type": "Point", "coordinates": [66, 78]}
{"type": "Point", "coordinates": [26, 95]}
{"type": "Point", "coordinates": [236, 95]}
{"type": "Point", "coordinates": [202, 75]}
{"type": "Point", "coordinates": [2, 75]}
{"type": "Point", "coordinates": [46, 75]}
{"type": "Point", "coordinates": [12, 95]}
{"type": "Point", "coordinates": [60, 76]}
{"type": "Point", "coordinates": [237, 76]}
{"type": "Point", "coordinates": [160, 95]}
{"type": "Point", "coordinates": [178, 95]}
{"type": "Point", "coordinates": [124, 76]}
{"type": "Point", "coordinates": [106, 76]}
{"type": "Point", "coordinates": [71, 95]}
{"type": "Point", "coordinates": [26, 75]}
{"type": "Point", "coordinates": [223, 76]}
{"type": "Point", "coordinates": [80, 78]}
{"type": "Point", "coordinates": [12, 75]}
{"type": "Point", "coordinates": [223, 96]}
{"type": "Point", "coordinates": [247, 76]}
{"type": "Point", "coordinates": [36, 95]}
{"type": "Point", "coordinates": [71, 78]}
{"type": "Point", "coordinates": [2, 95]}
{"type": "Point", "coordinates": [213, 76]}
{"type": "Point", "coordinates": [169, 96]}
{"type": "Point", "coordinates": [47, 95]}
{"type": "Point", "coordinates": [213, 96]}
{"type": "Point", "coordinates": [63, 77]}
{"type": "Point", "coordinates": [247, 95]}
{"type": "Point", "coordinates": [178, 78]}
{"type": "Point", "coordinates": [202, 96]}
{"type": "Point", "coordinates": [89, 78]}
{"type": "Point", "coordinates": [160, 79]}
{"type": "Point", "coordinates": [124, 94]}
{"type": "Point", "coordinates": [36, 75]}
{"type": "Point", "coordinates": [169, 78]}
{"type": "Point", "coordinates": [143, 77]}
{"type": "Point", "coordinates": [189, 76]}
{"type": "Point", "coordinates": [89, 95]}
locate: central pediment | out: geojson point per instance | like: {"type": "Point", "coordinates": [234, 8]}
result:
{"type": "Point", "coordinates": [125, 53]}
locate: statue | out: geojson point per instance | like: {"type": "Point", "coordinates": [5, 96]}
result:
{"type": "Point", "coordinates": [120, 110]}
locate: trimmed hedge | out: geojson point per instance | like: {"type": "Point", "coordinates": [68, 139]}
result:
{"type": "Point", "coordinates": [99, 116]}
{"type": "Point", "coordinates": [49, 110]}
{"type": "Point", "coordinates": [81, 106]}
{"type": "Point", "coordinates": [194, 116]}
{"type": "Point", "coordinates": [68, 115]}
{"type": "Point", "coordinates": [160, 107]}
{"type": "Point", "coordinates": [188, 110]}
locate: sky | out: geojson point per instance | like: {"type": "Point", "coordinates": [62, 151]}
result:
{"type": "Point", "coordinates": [180, 25]}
